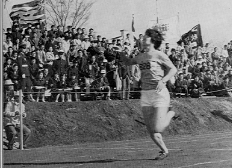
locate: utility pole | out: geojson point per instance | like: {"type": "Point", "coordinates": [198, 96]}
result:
{"type": "Point", "coordinates": [157, 12]}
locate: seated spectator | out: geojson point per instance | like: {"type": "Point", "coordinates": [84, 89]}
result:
{"type": "Point", "coordinates": [39, 84]}
{"type": "Point", "coordinates": [62, 86]}
{"type": "Point", "coordinates": [8, 65]}
{"type": "Point", "coordinates": [53, 84]}
{"type": "Point", "coordinates": [74, 84]}
{"type": "Point", "coordinates": [12, 122]}
{"type": "Point", "coordinates": [60, 65]}
{"type": "Point", "coordinates": [181, 85]}
{"type": "Point", "coordinates": [196, 87]}
{"type": "Point", "coordinates": [9, 53]}
{"type": "Point", "coordinates": [91, 72]}
{"type": "Point", "coordinates": [101, 85]}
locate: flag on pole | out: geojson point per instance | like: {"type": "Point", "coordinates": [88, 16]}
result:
{"type": "Point", "coordinates": [31, 12]}
{"type": "Point", "coordinates": [193, 37]}
{"type": "Point", "coordinates": [133, 28]}
{"type": "Point", "coordinates": [133, 38]}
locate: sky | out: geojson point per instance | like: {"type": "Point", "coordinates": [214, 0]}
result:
{"type": "Point", "coordinates": [108, 17]}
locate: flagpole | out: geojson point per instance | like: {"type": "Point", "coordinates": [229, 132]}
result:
{"type": "Point", "coordinates": [1, 80]}
{"type": "Point", "coordinates": [157, 11]}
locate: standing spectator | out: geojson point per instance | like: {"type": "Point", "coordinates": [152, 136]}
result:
{"type": "Point", "coordinates": [34, 68]}
{"type": "Point", "coordinates": [41, 55]}
{"type": "Point", "coordinates": [60, 65]}
{"type": "Point", "coordinates": [43, 38]}
{"type": "Point", "coordinates": [74, 70]}
{"type": "Point", "coordinates": [76, 41]}
{"type": "Point", "coordinates": [15, 76]}
{"type": "Point", "coordinates": [52, 32]}
{"type": "Point", "coordinates": [12, 122]}
{"type": "Point", "coordinates": [91, 72]}
{"type": "Point", "coordinates": [71, 54]}
{"type": "Point", "coordinates": [229, 59]}
{"type": "Point", "coordinates": [85, 44]}
{"type": "Point", "coordinates": [224, 53]}
{"type": "Point", "coordinates": [125, 76]}
{"type": "Point", "coordinates": [110, 73]}
{"type": "Point", "coordinates": [27, 42]}
{"type": "Point", "coordinates": [215, 55]}
{"type": "Point", "coordinates": [17, 34]}
{"type": "Point", "coordinates": [35, 40]}
{"type": "Point", "coordinates": [139, 42]}
{"type": "Point", "coordinates": [25, 72]}
{"type": "Point", "coordinates": [59, 32]}
{"type": "Point", "coordinates": [50, 57]}
{"type": "Point", "coordinates": [66, 44]}
{"type": "Point", "coordinates": [51, 42]}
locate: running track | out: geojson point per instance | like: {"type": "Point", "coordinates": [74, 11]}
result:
{"type": "Point", "coordinates": [191, 151]}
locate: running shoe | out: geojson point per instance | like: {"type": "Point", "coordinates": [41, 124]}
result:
{"type": "Point", "coordinates": [161, 155]}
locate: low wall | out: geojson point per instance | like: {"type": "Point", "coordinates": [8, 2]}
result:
{"type": "Point", "coordinates": [97, 121]}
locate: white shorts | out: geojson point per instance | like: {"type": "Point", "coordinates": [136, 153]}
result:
{"type": "Point", "coordinates": [154, 99]}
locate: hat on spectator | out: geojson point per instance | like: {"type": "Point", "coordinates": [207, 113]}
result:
{"type": "Point", "coordinates": [86, 37]}
{"type": "Point", "coordinates": [60, 51]}
{"type": "Point", "coordinates": [105, 60]}
{"type": "Point", "coordinates": [116, 48]}
{"type": "Point", "coordinates": [103, 71]}
{"type": "Point", "coordinates": [8, 82]}
{"type": "Point", "coordinates": [27, 35]}
{"type": "Point", "coordinates": [72, 44]}
{"type": "Point", "coordinates": [199, 56]}
{"type": "Point", "coordinates": [24, 46]}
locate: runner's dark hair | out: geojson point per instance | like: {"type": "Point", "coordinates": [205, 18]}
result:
{"type": "Point", "coordinates": [156, 37]}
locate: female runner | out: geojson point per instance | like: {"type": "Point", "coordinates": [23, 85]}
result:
{"type": "Point", "coordinates": [156, 69]}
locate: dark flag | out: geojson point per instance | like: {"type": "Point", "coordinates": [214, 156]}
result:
{"type": "Point", "coordinates": [192, 37]}
{"type": "Point", "coordinates": [31, 12]}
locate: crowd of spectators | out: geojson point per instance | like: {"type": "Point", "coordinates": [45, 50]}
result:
{"type": "Point", "coordinates": [68, 63]}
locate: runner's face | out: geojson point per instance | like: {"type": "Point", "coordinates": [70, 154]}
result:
{"type": "Point", "coordinates": [146, 41]}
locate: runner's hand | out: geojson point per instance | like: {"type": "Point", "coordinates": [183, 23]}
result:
{"type": "Point", "coordinates": [160, 86]}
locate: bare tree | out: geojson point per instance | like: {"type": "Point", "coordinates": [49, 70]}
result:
{"type": "Point", "coordinates": [64, 12]}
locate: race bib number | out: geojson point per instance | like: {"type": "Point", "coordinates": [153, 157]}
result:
{"type": "Point", "coordinates": [144, 66]}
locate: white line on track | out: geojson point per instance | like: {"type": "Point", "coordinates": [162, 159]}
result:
{"type": "Point", "coordinates": [203, 163]}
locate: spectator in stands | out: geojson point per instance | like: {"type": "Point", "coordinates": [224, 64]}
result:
{"type": "Point", "coordinates": [15, 76]}
{"type": "Point", "coordinates": [41, 55]}
{"type": "Point", "coordinates": [35, 40]}
{"type": "Point", "coordinates": [49, 56]}
{"type": "Point", "coordinates": [12, 122]}
{"type": "Point", "coordinates": [215, 55]}
{"type": "Point", "coordinates": [39, 84]}
{"type": "Point", "coordinates": [181, 85]}
{"type": "Point", "coordinates": [62, 85]}
{"type": "Point", "coordinates": [60, 65]}
{"type": "Point", "coordinates": [196, 87]}
{"type": "Point", "coordinates": [34, 68]}
{"type": "Point", "coordinates": [6, 44]}
{"type": "Point", "coordinates": [74, 84]}
{"type": "Point", "coordinates": [72, 54]}
{"type": "Point", "coordinates": [85, 44]}
{"type": "Point", "coordinates": [25, 72]}
{"type": "Point", "coordinates": [101, 85]}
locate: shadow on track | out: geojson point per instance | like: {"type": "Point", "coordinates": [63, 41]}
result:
{"type": "Point", "coordinates": [80, 162]}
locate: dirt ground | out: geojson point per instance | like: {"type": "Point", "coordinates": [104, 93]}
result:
{"type": "Point", "coordinates": [74, 134]}
{"type": "Point", "coordinates": [212, 150]}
